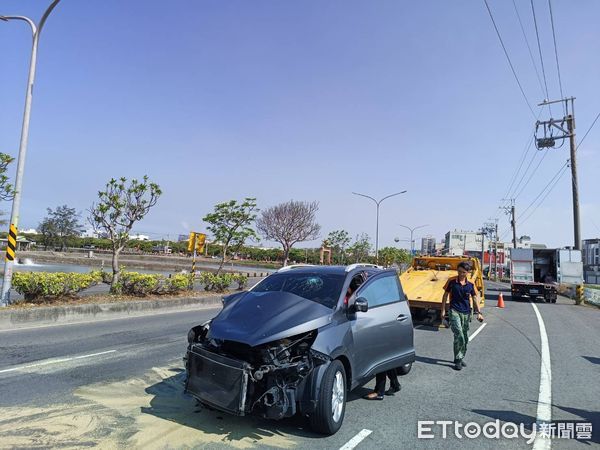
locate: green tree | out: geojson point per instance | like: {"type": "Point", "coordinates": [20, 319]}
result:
{"type": "Point", "coordinates": [120, 206]}
{"type": "Point", "coordinates": [230, 224]}
{"type": "Point", "coordinates": [361, 248]}
{"type": "Point", "coordinates": [339, 241]}
{"type": "Point", "coordinates": [289, 223]}
{"type": "Point", "coordinates": [59, 226]}
{"type": "Point", "coordinates": [7, 191]}
{"type": "Point", "coordinates": [393, 255]}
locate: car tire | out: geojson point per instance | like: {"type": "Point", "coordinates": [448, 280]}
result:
{"type": "Point", "coordinates": [403, 370]}
{"type": "Point", "coordinates": [517, 298]}
{"type": "Point", "coordinates": [331, 403]}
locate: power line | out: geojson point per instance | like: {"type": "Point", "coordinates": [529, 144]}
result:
{"type": "Point", "coordinates": [537, 73]}
{"type": "Point", "coordinates": [554, 180]}
{"type": "Point", "coordinates": [531, 175]}
{"type": "Point", "coordinates": [508, 58]}
{"type": "Point", "coordinates": [555, 50]}
{"type": "Point", "coordinates": [539, 48]}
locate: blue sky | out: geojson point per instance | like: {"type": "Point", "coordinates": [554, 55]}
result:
{"type": "Point", "coordinates": [304, 100]}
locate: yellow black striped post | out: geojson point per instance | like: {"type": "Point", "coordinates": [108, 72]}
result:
{"type": "Point", "coordinates": [11, 248]}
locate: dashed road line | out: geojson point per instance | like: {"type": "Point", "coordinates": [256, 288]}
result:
{"type": "Point", "coordinates": [54, 361]}
{"type": "Point", "coordinates": [352, 443]}
{"type": "Point", "coordinates": [477, 331]}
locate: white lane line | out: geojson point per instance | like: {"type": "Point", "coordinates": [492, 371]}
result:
{"type": "Point", "coordinates": [477, 331]}
{"type": "Point", "coordinates": [544, 406]}
{"type": "Point", "coordinates": [55, 361]}
{"type": "Point", "coordinates": [352, 443]}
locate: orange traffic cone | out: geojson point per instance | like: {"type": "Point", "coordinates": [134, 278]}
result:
{"type": "Point", "coordinates": [500, 301]}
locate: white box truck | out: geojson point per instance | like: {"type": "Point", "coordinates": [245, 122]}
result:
{"type": "Point", "coordinates": [537, 273]}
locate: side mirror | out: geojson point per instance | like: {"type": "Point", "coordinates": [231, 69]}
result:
{"type": "Point", "coordinates": [361, 304]}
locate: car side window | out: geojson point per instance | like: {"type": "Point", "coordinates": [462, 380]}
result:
{"type": "Point", "coordinates": [381, 291]}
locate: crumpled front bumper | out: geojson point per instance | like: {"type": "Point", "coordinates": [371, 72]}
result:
{"type": "Point", "coordinates": [217, 380]}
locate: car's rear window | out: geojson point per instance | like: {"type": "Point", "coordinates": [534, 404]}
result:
{"type": "Point", "coordinates": [318, 287]}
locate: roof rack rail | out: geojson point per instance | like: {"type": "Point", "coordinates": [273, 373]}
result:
{"type": "Point", "coordinates": [354, 266]}
{"type": "Point", "coordinates": [294, 266]}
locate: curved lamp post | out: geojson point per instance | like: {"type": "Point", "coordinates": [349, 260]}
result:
{"type": "Point", "coordinates": [378, 202]}
{"type": "Point", "coordinates": [14, 215]}
{"type": "Point", "coordinates": [412, 230]}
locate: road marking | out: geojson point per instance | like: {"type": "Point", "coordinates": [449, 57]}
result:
{"type": "Point", "coordinates": [544, 406]}
{"type": "Point", "coordinates": [55, 361]}
{"type": "Point", "coordinates": [477, 331]}
{"type": "Point", "coordinates": [352, 443]}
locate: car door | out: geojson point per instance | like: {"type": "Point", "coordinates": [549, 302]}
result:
{"type": "Point", "coordinates": [378, 332]}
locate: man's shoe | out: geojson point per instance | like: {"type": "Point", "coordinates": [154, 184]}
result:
{"type": "Point", "coordinates": [458, 365]}
{"type": "Point", "coordinates": [373, 396]}
{"type": "Point", "coordinates": [462, 363]}
{"type": "Point", "coordinates": [393, 390]}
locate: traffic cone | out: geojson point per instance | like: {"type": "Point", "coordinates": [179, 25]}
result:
{"type": "Point", "coordinates": [500, 301]}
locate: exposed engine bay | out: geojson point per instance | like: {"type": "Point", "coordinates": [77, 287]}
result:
{"type": "Point", "coordinates": [264, 380]}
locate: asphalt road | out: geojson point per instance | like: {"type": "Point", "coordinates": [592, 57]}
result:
{"type": "Point", "coordinates": [119, 384]}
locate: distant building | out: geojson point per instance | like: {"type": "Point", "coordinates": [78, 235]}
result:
{"type": "Point", "coordinates": [139, 237]}
{"type": "Point", "coordinates": [90, 233]}
{"type": "Point", "coordinates": [428, 245]}
{"type": "Point", "coordinates": [460, 242]}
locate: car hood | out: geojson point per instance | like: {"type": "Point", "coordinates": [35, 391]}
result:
{"type": "Point", "coordinates": [256, 318]}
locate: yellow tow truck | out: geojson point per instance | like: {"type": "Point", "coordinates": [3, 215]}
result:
{"type": "Point", "coordinates": [423, 283]}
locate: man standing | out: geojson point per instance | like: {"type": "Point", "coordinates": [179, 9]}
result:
{"type": "Point", "coordinates": [463, 298]}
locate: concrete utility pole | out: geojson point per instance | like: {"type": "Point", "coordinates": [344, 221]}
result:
{"type": "Point", "coordinates": [14, 216]}
{"type": "Point", "coordinates": [549, 141]}
{"type": "Point", "coordinates": [513, 221]}
{"type": "Point", "coordinates": [378, 202]}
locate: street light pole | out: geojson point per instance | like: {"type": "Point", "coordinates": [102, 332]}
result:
{"type": "Point", "coordinates": [378, 202]}
{"type": "Point", "coordinates": [14, 215]}
{"type": "Point", "coordinates": [412, 230]}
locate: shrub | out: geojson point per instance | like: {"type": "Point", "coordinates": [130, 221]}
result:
{"type": "Point", "coordinates": [142, 284]}
{"type": "Point", "coordinates": [45, 285]}
{"type": "Point", "coordinates": [217, 283]}
{"type": "Point", "coordinates": [241, 279]}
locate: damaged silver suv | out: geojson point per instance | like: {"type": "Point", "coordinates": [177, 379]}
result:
{"type": "Point", "coordinates": [299, 341]}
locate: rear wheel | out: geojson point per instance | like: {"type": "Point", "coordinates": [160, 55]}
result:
{"type": "Point", "coordinates": [331, 404]}
{"type": "Point", "coordinates": [403, 370]}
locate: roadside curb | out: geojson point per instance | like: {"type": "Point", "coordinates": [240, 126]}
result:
{"type": "Point", "coordinates": [52, 315]}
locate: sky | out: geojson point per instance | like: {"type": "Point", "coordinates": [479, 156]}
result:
{"type": "Point", "coordinates": [306, 100]}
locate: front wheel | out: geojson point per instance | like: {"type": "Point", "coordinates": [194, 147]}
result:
{"type": "Point", "coordinates": [331, 403]}
{"type": "Point", "coordinates": [403, 370]}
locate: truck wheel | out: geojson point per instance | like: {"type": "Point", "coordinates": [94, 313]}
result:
{"type": "Point", "coordinates": [331, 403]}
{"type": "Point", "coordinates": [517, 298]}
{"type": "Point", "coordinates": [403, 370]}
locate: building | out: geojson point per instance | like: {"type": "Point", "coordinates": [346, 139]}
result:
{"type": "Point", "coordinates": [139, 237]}
{"type": "Point", "coordinates": [460, 242]}
{"type": "Point", "coordinates": [428, 245]}
{"type": "Point", "coordinates": [591, 261]}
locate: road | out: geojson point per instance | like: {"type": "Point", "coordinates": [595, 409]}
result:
{"type": "Point", "coordinates": [119, 384]}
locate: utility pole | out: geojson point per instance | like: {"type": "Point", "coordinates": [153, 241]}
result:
{"type": "Point", "coordinates": [496, 252]}
{"type": "Point", "coordinates": [549, 141]}
{"type": "Point", "coordinates": [513, 221]}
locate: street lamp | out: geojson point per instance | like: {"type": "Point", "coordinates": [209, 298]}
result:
{"type": "Point", "coordinates": [378, 202]}
{"type": "Point", "coordinates": [14, 215]}
{"type": "Point", "coordinates": [412, 230]}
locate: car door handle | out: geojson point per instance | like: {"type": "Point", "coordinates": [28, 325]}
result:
{"type": "Point", "coordinates": [401, 318]}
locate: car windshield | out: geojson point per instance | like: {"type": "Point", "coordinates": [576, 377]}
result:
{"type": "Point", "coordinates": [318, 287]}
